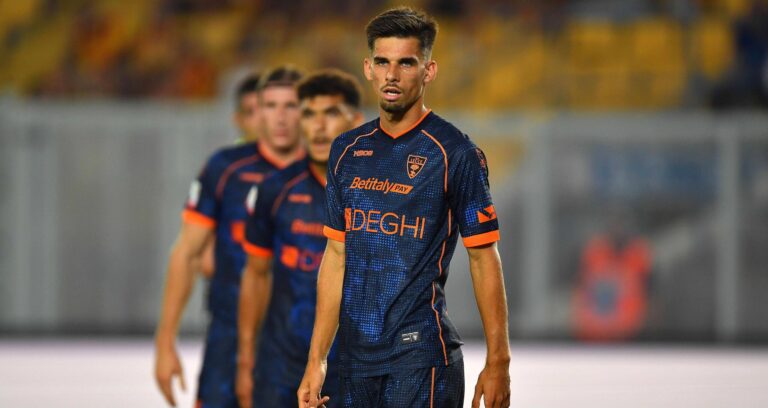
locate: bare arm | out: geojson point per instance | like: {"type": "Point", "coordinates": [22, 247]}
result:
{"type": "Point", "coordinates": [488, 282]}
{"type": "Point", "coordinates": [330, 280]}
{"type": "Point", "coordinates": [180, 279]}
{"type": "Point", "coordinates": [255, 293]}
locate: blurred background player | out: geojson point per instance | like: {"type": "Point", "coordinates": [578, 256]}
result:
{"type": "Point", "coordinates": [285, 243]}
{"type": "Point", "coordinates": [399, 190]}
{"type": "Point", "coordinates": [246, 119]}
{"type": "Point", "coordinates": [216, 208]}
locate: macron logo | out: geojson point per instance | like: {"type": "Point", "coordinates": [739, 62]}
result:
{"type": "Point", "coordinates": [372, 183]}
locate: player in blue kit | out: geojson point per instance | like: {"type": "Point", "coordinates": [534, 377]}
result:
{"type": "Point", "coordinates": [216, 209]}
{"type": "Point", "coordinates": [400, 190]}
{"type": "Point", "coordinates": [285, 243]}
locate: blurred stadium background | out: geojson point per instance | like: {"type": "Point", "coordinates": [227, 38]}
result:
{"type": "Point", "coordinates": [642, 121]}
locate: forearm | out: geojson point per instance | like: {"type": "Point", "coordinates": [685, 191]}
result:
{"type": "Point", "coordinates": [329, 289]}
{"type": "Point", "coordinates": [180, 280]}
{"type": "Point", "coordinates": [488, 282]}
{"type": "Point", "coordinates": [255, 294]}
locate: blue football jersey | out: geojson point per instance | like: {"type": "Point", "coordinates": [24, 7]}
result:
{"type": "Point", "coordinates": [287, 225]}
{"type": "Point", "coordinates": [398, 202]}
{"type": "Point", "coordinates": [217, 199]}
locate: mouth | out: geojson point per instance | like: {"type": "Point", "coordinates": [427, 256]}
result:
{"type": "Point", "coordinates": [321, 142]}
{"type": "Point", "coordinates": [391, 93]}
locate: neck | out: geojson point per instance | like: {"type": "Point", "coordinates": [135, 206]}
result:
{"type": "Point", "coordinates": [396, 123]}
{"type": "Point", "coordinates": [319, 170]}
{"type": "Point", "coordinates": [249, 138]}
{"type": "Point", "coordinates": [281, 157]}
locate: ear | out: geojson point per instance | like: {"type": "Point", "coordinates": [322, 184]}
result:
{"type": "Point", "coordinates": [236, 118]}
{"type": "Point", "coordinates": [430, 72]}
{"type": "Point", "coordinates": [367, 69]}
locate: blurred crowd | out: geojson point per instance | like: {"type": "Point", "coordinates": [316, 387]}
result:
{"type": "Point", "coordinates": [497, 54]}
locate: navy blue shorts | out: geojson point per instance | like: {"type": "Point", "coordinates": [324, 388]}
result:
{"type": "Point", "coordinates": [431, 387]}
{"type": "Point", "coordinates": [216, 384]}
{"type": "Point", "coordinates": [267, 394]}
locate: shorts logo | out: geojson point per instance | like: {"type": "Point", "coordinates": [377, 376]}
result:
{"type": "Point", "coordinates": [415, 164]}
{"type": "Point", "coordinates": [408, 338]}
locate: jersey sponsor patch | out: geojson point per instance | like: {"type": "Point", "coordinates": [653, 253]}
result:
{"type": "Point", "coordinates": [372, 183]}
{"type": "Point", "coordinates": [415, 164]}
{"type": "Point", "coordinates": [362, 153]}
{"type": "Point", "coordinates": [250, 200]}
{"type": "Point", "coordinates": [388, 223]}
{"type": "Point", "coordinates": [194, 194]}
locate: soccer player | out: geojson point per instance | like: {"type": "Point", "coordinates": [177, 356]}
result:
{"type": "Point", "coordinates": [285, 242]}
{"type": "Point", "coordinates": [400, 189]}
{"type": "Point", "coordinates": [216, 208]}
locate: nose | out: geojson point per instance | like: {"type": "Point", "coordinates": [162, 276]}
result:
{"type": "Point", "coordinates": [319, 123]}
{"type": "Point", "coordinates": [392, 73]}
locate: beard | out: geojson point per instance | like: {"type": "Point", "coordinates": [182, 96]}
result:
{"type": "Point", "coordinates": [396, 108]}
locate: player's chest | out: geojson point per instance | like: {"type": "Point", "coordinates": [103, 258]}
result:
{"type": "Point", "coordinates": [301, 215]}
{"type": "Point", "coordinates": [239, 185]}
{"type": "Point", "coordinates": [394, 171]}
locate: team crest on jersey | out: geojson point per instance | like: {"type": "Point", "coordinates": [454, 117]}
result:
{"type": "Point", "coordinates": [415, 164]}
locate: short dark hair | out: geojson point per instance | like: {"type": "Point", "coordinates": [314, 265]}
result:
{"type": "Point", "coordinates": [285, 75]}
{"type": "Point", "coordinates": [331, 82]}
{"type": "Point", "coordinates": [247, 85]}
{"type": "Point", "coordinates": [403, 22]}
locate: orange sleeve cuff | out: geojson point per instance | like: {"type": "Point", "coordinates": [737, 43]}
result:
{"type": "Point", "coordinates": [257, 251]}
{"type": "Point", "coordinates": [333, 234]}
{"type": "Point", "coordinates": [194, 217]}
{"type": "Point", "coordinates": [481, 239]}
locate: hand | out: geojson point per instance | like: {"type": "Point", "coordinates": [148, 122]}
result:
{"type": "Point", "coordinates": [167, 366]}
{"type": "Point", "coordinates": [308, 394]}
{"type": "Point", "coordinates": [493, 386]}
{"type": "Point", "coordinates": [244, 386]}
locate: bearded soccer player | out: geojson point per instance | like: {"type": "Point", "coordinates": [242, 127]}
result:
{"type": "Point", "coordinates": [400, 190]}
{"type": "Point", "coordinates": [285, 243]}
{"type": "Point", "coordinates": [216, 209]}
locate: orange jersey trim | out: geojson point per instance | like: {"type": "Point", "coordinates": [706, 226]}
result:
{"type": "Point", "coordinates": [274, 160]}
{"type": "Point", "coordinates": [336, 169]}
{"type": "Point", "coordinates": [194, 217]}
{"type": "Point", "coordinates": [432, 390]}
{"type": "Point", "coordinates": [445, 159]}
{"type": "Point", "coordinates": [318, 176]}
{"type": "Point", "coordinates": [406, 130]}
{"type": "Point", "coordinates": [437, 315]}
{"type": "Point", "coordinates": [481, 239]}
{"type": "Point", "coordinates": [288, 186]}
{"type": "Point", "coordinates": [231, 169]}
{"type": "Point", "coordinates": [257, 251]}
{"type": "Point", "coordinates": [333, 234]}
